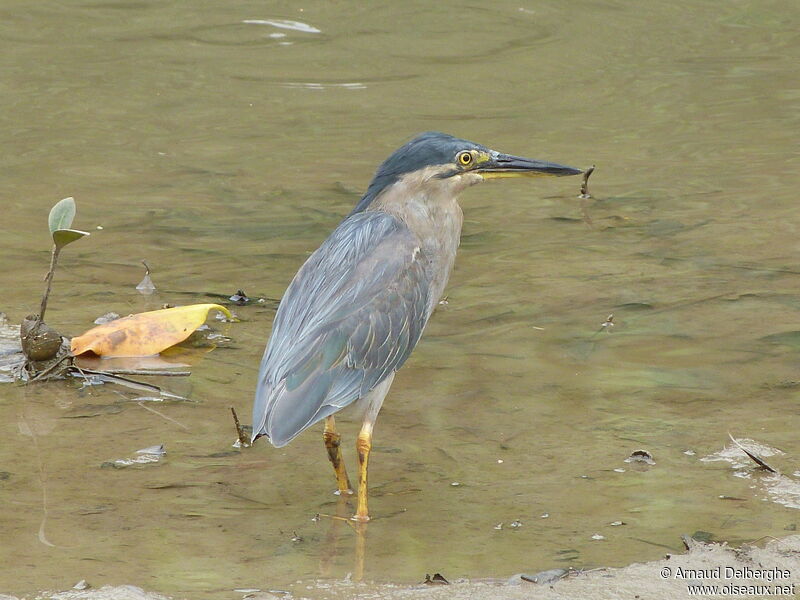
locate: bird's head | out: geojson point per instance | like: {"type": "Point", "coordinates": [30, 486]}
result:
{"type": "Point", "coordinates": [439, 158]}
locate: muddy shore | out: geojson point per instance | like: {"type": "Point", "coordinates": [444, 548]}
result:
{"type": "Point", "coordinates": [751, 571]}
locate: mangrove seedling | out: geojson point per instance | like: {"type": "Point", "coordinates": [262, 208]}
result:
{"type": "Point", "coordinates": [40, 342]}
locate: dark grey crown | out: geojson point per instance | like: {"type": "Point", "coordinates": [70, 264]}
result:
{"type": "Point", "coordinates": [427, 149]}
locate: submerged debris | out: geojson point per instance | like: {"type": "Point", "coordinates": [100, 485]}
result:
{"type": "Point", "coordinates": [760, 462]}
{"type": "Point", "coordinates": [541, 578]}
{"type": "Point", "coordinates": [106, 318]}
{"type": "Point", "coordinates": [151, 454]}
{"type": "Point", "coordinates": [641, 456]}
{"type": "Point", "coordinates": [240, 298]}
{"type": "Point", "coordinates": [780, 488]}
{"type": "Point", "coordinates": [227, 317]}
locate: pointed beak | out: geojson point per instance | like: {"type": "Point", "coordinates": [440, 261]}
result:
{"type": "Point", "coordinates": [505, 165]}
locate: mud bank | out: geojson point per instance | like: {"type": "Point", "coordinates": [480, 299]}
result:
{"type": "Point", "coordinates": [750, 571]}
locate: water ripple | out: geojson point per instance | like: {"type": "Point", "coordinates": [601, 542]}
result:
{"type": "Point", "coordinates": [284, 24]}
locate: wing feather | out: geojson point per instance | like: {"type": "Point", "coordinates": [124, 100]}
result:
{"type": "Point", "coordinates": [351, 316]}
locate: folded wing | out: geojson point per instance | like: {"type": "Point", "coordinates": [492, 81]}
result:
{"type": "Point", "coordinates": [351, 316]}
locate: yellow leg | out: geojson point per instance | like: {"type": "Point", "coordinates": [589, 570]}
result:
{"type": "Point", "coordinates": [363, 446]}
{"type": "Point", "coordinates": [364, 443]}
{"type": "Point", "coordinates": [332, 445]}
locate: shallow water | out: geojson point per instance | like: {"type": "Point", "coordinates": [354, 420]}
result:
{"type": "Point", "coordinates": [223, 151]}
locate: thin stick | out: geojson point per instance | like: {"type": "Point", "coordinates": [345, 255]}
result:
{"type": "Point", "coordinates": [49, 281]}
{"type": "Point", "coordinates": [239, 430]}
{"type": "Point", "coordinates": [163, 416]}
{"type": "Point", "coordinates": [148, 372]}
{"type": "Point", "coordinates": [585, 184]}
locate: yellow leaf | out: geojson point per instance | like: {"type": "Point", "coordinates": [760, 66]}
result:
{"type": "Point", "coordinates": [144, 334]}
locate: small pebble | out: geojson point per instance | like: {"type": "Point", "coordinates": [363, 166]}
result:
{"type": "Point", "coordinates": [516, 524]}
{"type": "Point", "coordinates": [597, 536]}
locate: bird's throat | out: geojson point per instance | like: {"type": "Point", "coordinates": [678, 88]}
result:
{"type": "Point", "coordinates": [435, 218]}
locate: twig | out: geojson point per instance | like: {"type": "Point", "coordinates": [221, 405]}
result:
{"type": "Point", "coordinates": [754, 458]}
{"type": "Point", "coordinates": [50, 369]}
{"type": "Point", "coordinates": [605, 325]}
{"type": "Point", "coordinates": [585, 195]}
{"type": "Point", "coordinates": [146, 372]}
{"type": "Point", "coordinates": [118, 379]}
{"type": "Point", "coordinates": [239, 429]}
{"type": "Point", "coordinates": [163, 416]}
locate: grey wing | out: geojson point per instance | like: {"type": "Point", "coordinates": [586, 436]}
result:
{"type": "Point", "coordinates": [351, 316]}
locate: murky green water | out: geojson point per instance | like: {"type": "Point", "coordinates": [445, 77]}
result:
{"type": "Point", "coordinates": [223, 151]}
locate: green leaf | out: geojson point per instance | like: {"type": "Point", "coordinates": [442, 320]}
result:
{"type": "Point", "coordinates": [62, 237]}
{"type": "Point", "coordinates": [61, 215]}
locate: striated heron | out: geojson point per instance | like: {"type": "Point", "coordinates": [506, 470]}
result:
{"type": "Point", "coordinates": [357, 307]}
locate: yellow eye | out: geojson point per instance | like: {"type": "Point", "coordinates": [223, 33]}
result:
{"type": "Point", "coordinates": [464, 158]}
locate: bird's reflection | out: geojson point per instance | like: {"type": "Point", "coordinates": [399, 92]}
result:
{"type": "Point", "coordinates": [342, 525]}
